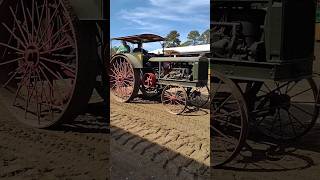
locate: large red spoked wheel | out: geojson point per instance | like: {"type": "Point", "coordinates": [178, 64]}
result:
{"type": "Point", "coordinates": [124, 79]}
{"type": "Point", "coordinates": [43, 63]}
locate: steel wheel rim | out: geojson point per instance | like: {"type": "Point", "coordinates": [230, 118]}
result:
{"type": "Point", "coordinates": [45, 68]}
{"type": "Point", "coordinates": [174, 99]}
{"type": "Point", "coordinates": [286, 119]}
{"type": "Point", "coordinates": [227, 135]}
{"type": "Point", "coordinates": [122, 79]}
{"type": "Point", "coordinates": [199, 96]}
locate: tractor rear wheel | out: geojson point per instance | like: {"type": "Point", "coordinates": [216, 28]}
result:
{"type": "Point", "coordinates": [124, 79]}
{"type": "Point", "coordinates": [46, 77]}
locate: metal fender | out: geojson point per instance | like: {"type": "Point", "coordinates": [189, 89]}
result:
{"type": "Point", "coordinates": [136, 63]}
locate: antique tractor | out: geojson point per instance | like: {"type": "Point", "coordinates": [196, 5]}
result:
{"type": "Point", "coordinates": [261, 72]}
{"type": "Point", "coordinates": [51, 58]}
{"type": "Point", "coordinates": [180, 79]}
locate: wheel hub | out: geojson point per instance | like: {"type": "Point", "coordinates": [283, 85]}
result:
{"type": "Point", "coordinates": [150, 80]}
{"type": "Point", "coordinates": [120, 79]}
{"type": "Point", "coordinates": [280, 100]}
{"type": "Point", "coordinates": [173, 98]}
{"type": "Point", "coordinates": [32, 55]}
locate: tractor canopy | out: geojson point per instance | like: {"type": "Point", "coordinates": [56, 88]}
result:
{"type": "Point", "coordinates": [141, 38]}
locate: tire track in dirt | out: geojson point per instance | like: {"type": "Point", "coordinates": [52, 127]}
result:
{"type": "Point", "coordinates": [182, 153]}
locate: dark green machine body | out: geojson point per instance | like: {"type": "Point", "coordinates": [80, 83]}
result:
{"type": "Point", "coordinates": [263, 39]}
{"type": "Point", "coordinates": [89, 9]}
{"type": "Point", "coordinates": [186, 71]}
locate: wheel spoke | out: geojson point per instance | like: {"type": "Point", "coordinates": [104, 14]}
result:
{"type": "Point", "coordinates": [10, 79]}
{"type": "Point", "coordinates": [67, 66]}
{"type": "Point", "coordinates": [223, 103]}
{"type": "Point", "coordinates": [18, 25]}
{"type": "Point", "coordinates": [49, 20]}
{"type": "Point", "coordinates": [306, 112]}
{"type": "Point", "coordinates": [296, 119]}
{"type": "Point", "coordinates": [11, 61]}
{"type": "Point", "coordinates": [292, 125]}
{"type": "Point", "coordinates": [227, 123]}
{"type": "Point", "coordinates": [227, 114]}
{"type": "Point", "coordinates": [289, 89]}
{"type": "Point", "coordinates": [49, 70]}
{"type": "Point", "coordinates": [222, 134]}
{"type": "Point", "coordinates": [56, 49]}
{"type": "Point", "coordinates": [301, 92]}
{"type": "Point", "coordinates": [11, 47]}
{"type": "Point", "coordinates": [32, 22]}
{"type": "Point", "coordinates": [14, 35]}
{"type": "Point", "coordinates": [53, 38]}
{"type": "Point", "coordinates": [22, 82]}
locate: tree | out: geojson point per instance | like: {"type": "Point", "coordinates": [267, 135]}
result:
{"type": "Point", "coordinates": [172, 39]}
{"type": "Point", "coordinates": [193, 36]}
{"type": "Point", "coordinates": [187, 43]}
{"type": "Point", "coordinates": [205, 37]}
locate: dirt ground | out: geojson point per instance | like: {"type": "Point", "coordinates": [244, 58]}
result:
{"type": "Point", "coordinates": [147, 142]}
{"type": "Point", "coordinates": [78, 150]}
{"type": "Point", "coordinates": [300, 160]}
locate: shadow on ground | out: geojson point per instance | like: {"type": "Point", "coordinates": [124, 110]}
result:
{"type": "Point", "coordinates": [189, 111]}
{"type": "Point", "coordinates": [93, 120]}
{"type": "Point", "coordinates": [266, 155]}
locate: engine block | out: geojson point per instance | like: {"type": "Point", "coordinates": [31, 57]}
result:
{"type": "Point", "coordinates": [262, 30]}
{"type": "Point", "coordinates": [178, 72]}
{"type": "Point", "coordinates": [263, 39]}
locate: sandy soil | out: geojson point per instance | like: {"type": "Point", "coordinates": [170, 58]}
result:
{"type": "Point", "coordinates": [147, 142]}
{"type": "Point", "coordinates": [300, 160]}
{"type": "Point", "coordinates": [78, 150]}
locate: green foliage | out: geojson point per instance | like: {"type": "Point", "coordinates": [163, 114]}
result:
{"type": "Point", "coordinates": [172, 39]}
{"type": "Point", "coordinates": [205, 37]}
{"type": "Point", "coordinates": [193, 36]}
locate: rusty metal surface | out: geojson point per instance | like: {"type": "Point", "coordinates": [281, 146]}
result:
{"type": "Point", "coordinates": [143, 38]}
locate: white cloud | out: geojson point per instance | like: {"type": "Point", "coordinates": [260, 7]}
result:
{"type": "Point", "coordinates": [185, 6]}
{"type": "Point", "coordinates": [156, 14]}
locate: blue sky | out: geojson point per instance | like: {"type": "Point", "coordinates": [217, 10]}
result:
{"type": "Point", "coordinates": [129, 17]}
